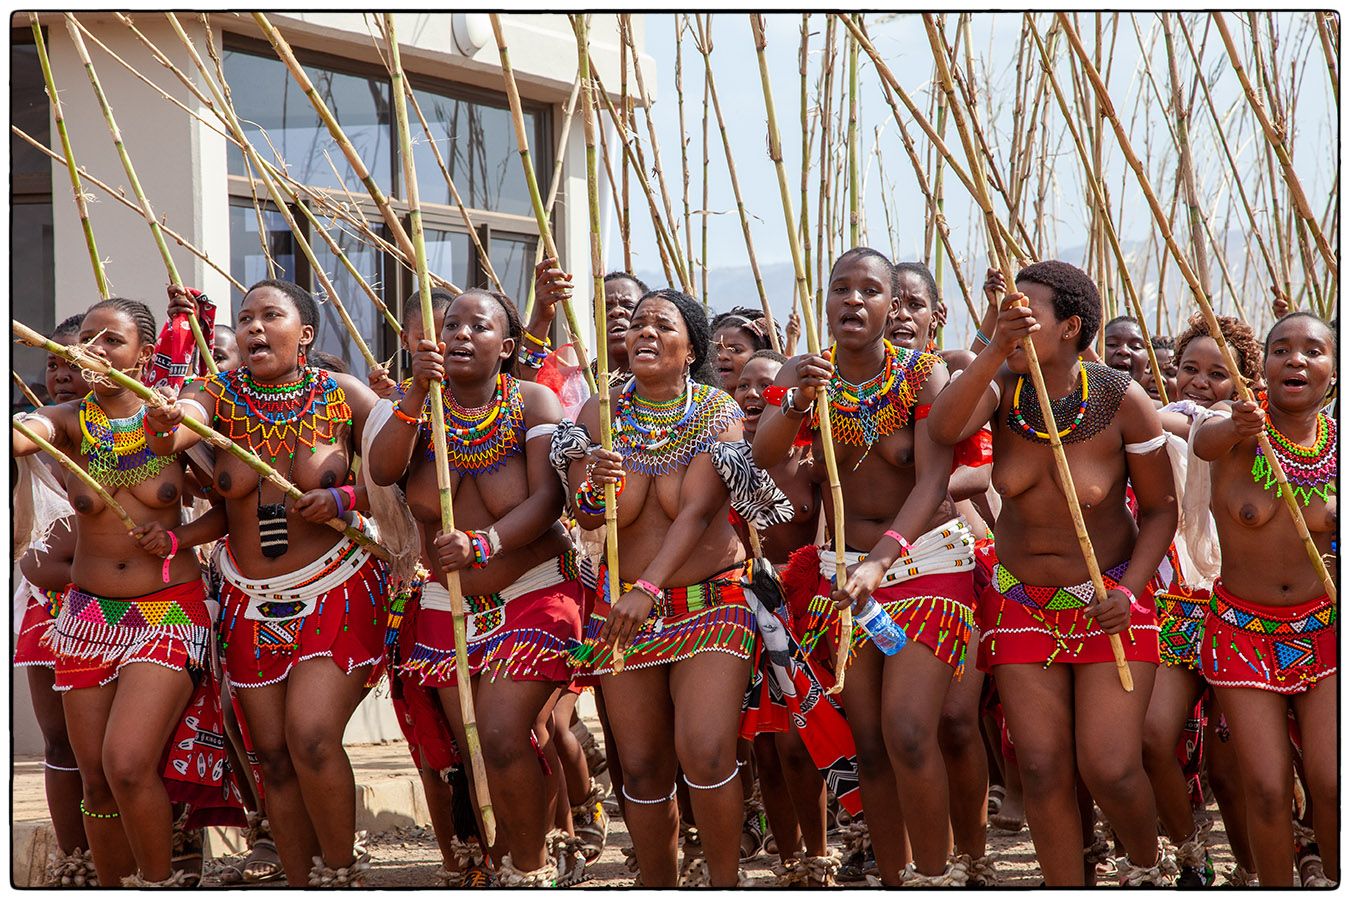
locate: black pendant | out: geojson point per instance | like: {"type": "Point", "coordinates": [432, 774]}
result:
{"type": "Point", "coordinates": [273, 535]}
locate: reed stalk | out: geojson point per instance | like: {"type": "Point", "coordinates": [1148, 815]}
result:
{"type": "Point", "coordinates": [686, 277]}
{"type": "Point", "coordinates": [1323, 22]}
{"type": "Point", "coordinates": [146, 212]}
{"type": "Point", "coordinates": [1276, 138]}
{"type": "Point", "coordinates": [540, 214]}
{"type": "Point", "coordinates": [680, 24]}
{"type": "Point", "coordinates": [78, 356]}
{"type": "Point", "coordinates": [824, 101]}
{"type": "Point", "coordinates": [287, 56]}
{"type": "Point", "coordinates": [1096, 193]}
{"type": "Point", "coordinates": [1033, 361]}
{"type": "Point", "coordinates": [588, 108]}
{"type": "Point", "coordinates": [74, 468]}
{"type": "Point", "coordinates": [703, 218]}
{"type": "Point", "coordinates": [622, 123]}
{"type": "Point", "coordinates": [81, 207]}
{"type": "Point", "coordinates": [703, 42]}
{"type": "Point", "coordinates": [279, 199]}
{"type": "Point", "coordinates": [559, 157]}
{"type": "Point", "coordinates": [464, 684]}
{"type": "Point", "coordinates": [808, 131]}
{"type": "Point", "coordinates": [852, 139]}
{"type": "Point", "coordinates": [813, 346]}
{"type": "Point", "coordinates": [27, 391]}
{"type": "Point", "coordinates": [1201, 298]}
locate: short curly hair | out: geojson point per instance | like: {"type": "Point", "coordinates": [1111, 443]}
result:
{"type": "Point", "coordinates": [921, 272]}
{"type": "Point", "coordinates": [1299, 314]}
{"type": "Point", "coordinates": [301, 299]}
{"type": "Point", "coordinates": [1075, 295]}
{"type": "Point", "coordinates": [1163, 342]}
{"type": "Point", "coordinates": [1236, 333]}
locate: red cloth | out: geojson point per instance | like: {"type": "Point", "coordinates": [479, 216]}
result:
{"type": "Point", "coordinates": [30, 648]}
{"type": "Point", "coordinates": [172, 362]}
{"type": "Point", "coordinates": [1284, 649]}
{"type": "Point", "coordinates": [196, 764]}
{"type": "Point", "coordinates": [348, 626]}
{"type": "Point", "coordinates": [1012, 632]}
{"type": "Point", "coordinates": [525, 639]}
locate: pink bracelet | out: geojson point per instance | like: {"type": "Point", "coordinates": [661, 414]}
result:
{"type": "Point", "coordinates": [349, 492]}
{"type": "Point", "coordinates": [1134, 601]}
{"type": "Point", "coordinates": [173, 551]}
{"type": "Point", "coordinates": [896, 536]}
{"type": "Point", "coordinates": [647, 587]}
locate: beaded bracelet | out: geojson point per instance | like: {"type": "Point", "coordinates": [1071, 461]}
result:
{"type": "Point", "coordinates": [982, 338]}
{"type": "Point", "coordinates": [590, 497]}
{"type": "Point", "coordinates": [94, 815]}
{"type": "Point", "coordinates": [531, 359]}
{"type": "Point", "coordinates": [404, 417]}
{"type": "Point", "coordinates": [543, 343]}
{"type": "Point", "coordinates": [482, 548]}
{"type": "Point", "coordinates": [169, 433]}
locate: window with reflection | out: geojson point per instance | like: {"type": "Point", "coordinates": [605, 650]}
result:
{"type": "Point", "coordinates": [32, 264]}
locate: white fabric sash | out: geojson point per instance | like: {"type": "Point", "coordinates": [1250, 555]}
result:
{"type": "Point", "coordinates": [293, 587]}
{"type": "Point", "coordinates": [545, 575]}
{"type": "Point", "coordinates": [948, 548]}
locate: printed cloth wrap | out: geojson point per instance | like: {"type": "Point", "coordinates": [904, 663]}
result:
{"type": "Point", "coordinates": [929, 594]}
{"type": "Point", "coordinates": [172, 363]}
{"type": "Point", "coordinates": [1022, 623]}
{"type": "Point", "coordinates": [1284, 649]}
{"type": "Point", "coordinates": [524, 632]}
{"type": "Point", "coordinates": [337, 606]}
{"type": "Point", "coordinates": [95, 637]}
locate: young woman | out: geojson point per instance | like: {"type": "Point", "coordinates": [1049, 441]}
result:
{"type": "Point", "coordinates": [790, 783]}
{"type": "Point", "coordinates": [896, 482]}
{"type": "Point", "coordinates": [737, 335]}
{"type": "Point", "coordinates": [913, 326]}
{"type": "Point", "coordinates": [1125, 350]}
{"type": "Point", "coordinates": [1266, 655]}
{"type": "Point", "coordinates": [1048, 646]}
{"type": "Point", "coordinates": [1165, 349]}
{"type": "Point", "coordinates": [409, 339]}
{"type": "Point", "coordinates": [304, 609]}
{"type": "Point", "coordinates": [131, 637]}
{"type": "Point", "coordinates": [682, 624]}
{"type": "Point", "coordinates": [45, 571]}
{"type": "Point", "coordinates": [515, 563]}
{"type": "Point", "coordinates": [1202, 382]}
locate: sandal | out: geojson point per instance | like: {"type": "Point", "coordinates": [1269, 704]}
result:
{"type": "Point", "coordinates": [263, 864]}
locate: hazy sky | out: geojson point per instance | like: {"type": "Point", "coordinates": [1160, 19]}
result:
{"type": "Point", "coordinates": [903, 42]}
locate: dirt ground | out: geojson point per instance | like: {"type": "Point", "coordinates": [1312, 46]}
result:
{"type": "Point", "coordinates": [409, 857]}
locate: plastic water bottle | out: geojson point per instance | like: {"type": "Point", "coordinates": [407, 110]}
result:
{"type": "Point", "coordinates": [881, 628]}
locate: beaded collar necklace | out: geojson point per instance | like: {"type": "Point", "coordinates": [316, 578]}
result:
{"type": "Point", "coordinates": [1311, 470]}
{"type": "Point", "coordinates": [1086, 412]}
{"type": "Point", "coordinates": [656, 437]}
{"type": "Point", "coordinates": [275, 419]}
{"type": "Point", "coordinates": [479, 440]}
{"type": "Point", "coordinates": [116, 448]}
{"type": "Point", "coordinates": [862, 414]}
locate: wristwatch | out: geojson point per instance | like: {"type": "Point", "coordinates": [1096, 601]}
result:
{"type": "Point", "coordinates": [789, 404]}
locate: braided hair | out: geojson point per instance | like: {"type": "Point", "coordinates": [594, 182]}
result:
{"type": "Point", "coordinates": [919, 271]}
{"type": "Point", "coordinates": [751, 322]}
{"type": "Point", "coordinates": [138, 312]}
{"type": "Point", "coordinates": [1075, 295]}
{"type": "Point", "coordinates": [69, 326]}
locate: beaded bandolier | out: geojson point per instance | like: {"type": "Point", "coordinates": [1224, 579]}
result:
{"type": "Point", "coordinates": [116, 448]}
{"type": "Point", "coordinates": [275, 420]}
{"type": "Point", "coordinates": [862, 414]}
{"type": "Point", "coordinates": [479, 440]}
{"type": "Point", "coordinates": [1080, 416]}
{"type": "Point", "coordinates": [1311, 470]}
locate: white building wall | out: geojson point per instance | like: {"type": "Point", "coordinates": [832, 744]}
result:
{"type": "Point", "coordinates": [181, 162]}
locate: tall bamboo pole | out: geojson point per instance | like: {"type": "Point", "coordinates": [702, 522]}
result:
{"type": "Point", "coordinates": [463, 683]}
{"type": "Point", "coordinates": [703, 41]}
{"type": "Point", "coordinates": [680, 24]}
{"type": "Point", "coordinates": [1198, 290]}
{"type": "Point", "coordinates": [1277, 143]}
{"type": "Point", "coordinates": [704, 216]}
{"type": "Point", "coordinates": [26, 390]}
{"type": "Point", "coordinates": [622, 122]}
{"type": "Point", "coordinates": [601, 343]}
{"type": "Point", "coordinates": [540, 214]}
{"type": "Point", "coordinates": [146, 212]}
{"type": "Point", "coordinates": [686, 277]}
{"type": "Point", "coordinates": [813, 345]}
{"type": "Point", "coordinates": [279, 199]}
{"type": "Point", "coordinates": [81, 207]}
{"type": "Point", "coordinates": [1323, 20]}
{"type": "Point", "coordinates": [1033, 361]}
{"type": "Point", "coordinates": [287, 56]}
{"type": "Point", "coordinates": [77, 355]}
{"type": "Point", "coordinates": [73, 468]}
{"type": "Point", "coordinates": [808, 127]}
{"type": "Point", "coordinates": [853, 188]}
{"type": "Point", "coordinates": [559, 157]}
{"type": "Point", "coordinates": [1096, 194]}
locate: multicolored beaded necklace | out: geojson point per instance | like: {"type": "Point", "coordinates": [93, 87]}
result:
{"type": "Point", "coordinates": [479, 440]}
{"type": "Point", "coordinates": [116, 448]}
{"type": "Point", "coordinates": [1087, 413]}
{"type": "Point", "coordinates": [862, 414]}
{"type": "Point", "coordinates": [1311, 470]}
{"type": "Point", "coordinates": [655, 437]}
{"type": "Point", "coordinates": [275, 419]}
